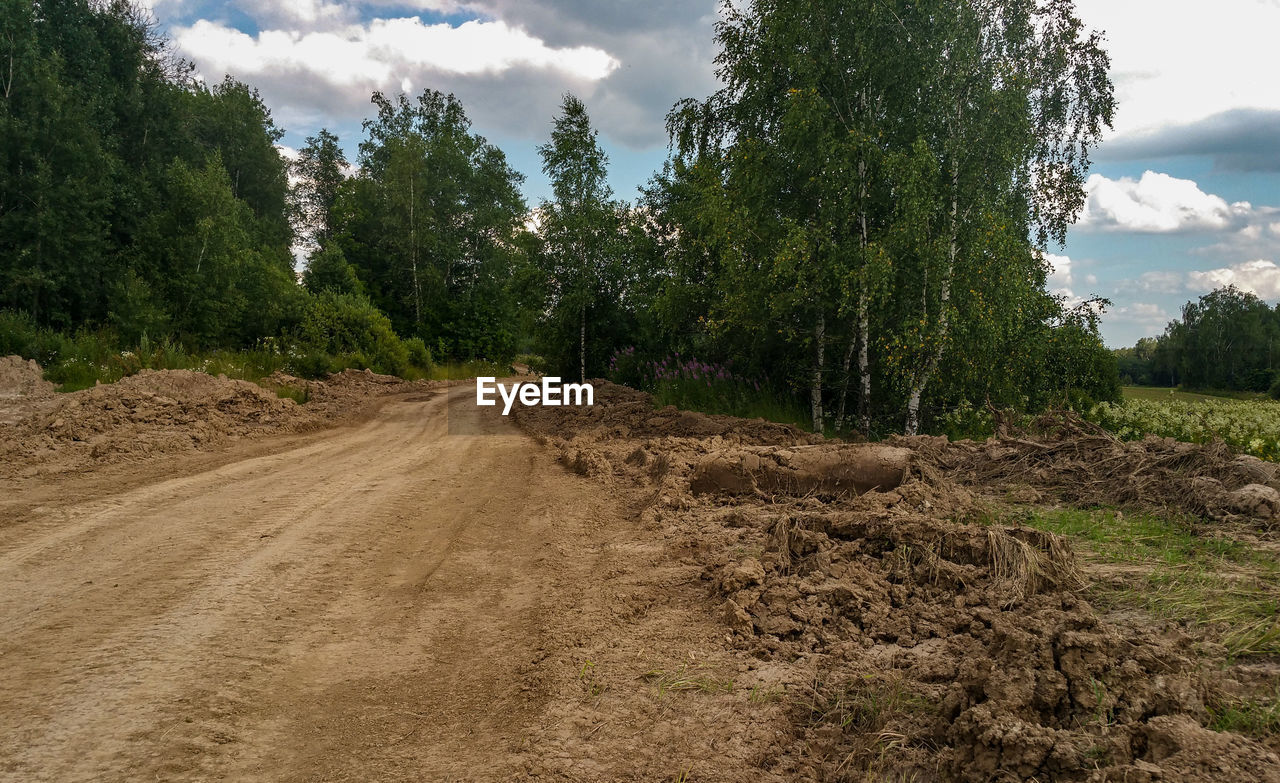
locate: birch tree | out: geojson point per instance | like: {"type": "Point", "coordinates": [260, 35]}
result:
{"type": "Point", "coordinates": [579, 226]}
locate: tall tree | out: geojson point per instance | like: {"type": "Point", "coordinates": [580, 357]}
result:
{"type": "Point", "coordinates": [430, 223]}
{"type": "Point", "coordinates": [320, 171]}
{"type": "Point", "coordinates": [580, 225]}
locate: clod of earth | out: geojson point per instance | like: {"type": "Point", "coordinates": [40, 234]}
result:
{"type": "Point", "coordinates": [933, 647]}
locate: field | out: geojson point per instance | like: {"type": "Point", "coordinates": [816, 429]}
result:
{"type": "Point", "coordinates": [1250, 426]}
{"type": "Point", "coordinates": [1164, 394]}
{"type": "Point", "coordinates": [384, 582]}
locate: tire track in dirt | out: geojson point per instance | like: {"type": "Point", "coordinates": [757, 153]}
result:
{"type": "Point", "coordinates": [362, 605]}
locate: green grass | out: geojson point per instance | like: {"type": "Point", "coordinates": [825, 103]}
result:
{"type": "Point", "coordinates": [732, 399]}
{"type": "Point", "coordinates": [1164, 394]}
{"type": "Point", "coordinates": [456, 371]}
{"type": "Point", "coordinates": [1138, 537]}
{"type": "Point", "coordinates": [1253, 716]}
{"type": "Point", "coordinates": [1227, 588]}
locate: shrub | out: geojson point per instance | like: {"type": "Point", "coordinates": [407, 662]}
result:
{"type": "Point", "coordinates": [351, 328]}
{"type": "Point", "coordinates": [419, 353]}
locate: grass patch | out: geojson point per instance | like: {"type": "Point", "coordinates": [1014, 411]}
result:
{"type": "Point", "coordinates": [1229, 589]}
{"type": "Point", "coordinates": [1138, 537]}
{"type": "Point", "coordinates": [687, 678]}
{"type": "Point", "coordinates": [1254, 717]}
{"type": "Point", "coordinates": [458, 371]}
{"type": "Point", "coordinates": [864, 705]}
{"type": "Point", "coordinates": [298, 395]}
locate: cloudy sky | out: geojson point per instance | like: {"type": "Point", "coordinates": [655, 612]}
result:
{"type": "Point", "coordinates": [1185, 194]}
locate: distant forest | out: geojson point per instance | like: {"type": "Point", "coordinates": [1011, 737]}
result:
{"type": "Point", "coordinates": [856, 221]}
{"type": "Point", "coordinates": [1227, 340]}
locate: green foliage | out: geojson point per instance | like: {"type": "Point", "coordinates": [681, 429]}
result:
{"type": "Point", "coordinates": [328, 270]}
{"type": "Point", "coordinates": [419, 354]}
{"type": "Point", "coordinates": [584, 254]}
{"type": "Point", "coordinates": [1228, 339]}
{"type": "Point", "coordinates": [432, 224]}
{"type": "Point", "coordinates": [351, 328]}
{"type": "Point", "coordinates": [1252, 426]}
{"type": "Point", "coordinates": [320, 170]}
{"type": "Point", "coordinates": [852, 211]}
{"type": "Point", "coordinates": [690, 384]}
{"type": "Point", "coordinates": [108, 193]}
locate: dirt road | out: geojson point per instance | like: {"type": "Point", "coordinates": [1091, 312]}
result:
{"type": "Point", "coordinates": [371, 602]}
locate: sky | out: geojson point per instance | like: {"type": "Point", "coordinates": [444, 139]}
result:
{"type": "Point", "coordinates": [1183, 196]}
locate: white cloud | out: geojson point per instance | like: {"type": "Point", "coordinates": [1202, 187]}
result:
{"type": "Point", "coordinates": [1060, 278]}
{"type": "Point", "coordinates": [1161, 282]}
{"type": "Point", "coordinates": [384, 53]}
{"type": "Point", "coordinates": [1149, 319]}
{"type": "Point", "coordinates": [1177, 61]}
{"type": "Point", "coordinates": [1260, 277]}
{"type": "Point", "coordinates": [1155, 203]}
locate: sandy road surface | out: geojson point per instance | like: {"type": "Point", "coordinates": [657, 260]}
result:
{"type": "Point", "coordinates": [364, 603]}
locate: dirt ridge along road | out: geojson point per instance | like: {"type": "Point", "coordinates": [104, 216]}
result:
{"type": "Point", "coordinates": [378, 601]}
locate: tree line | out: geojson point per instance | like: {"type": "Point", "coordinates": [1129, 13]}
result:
{"type": "Point", "coordinates": [1228, 340]}
{"type": "Point", "coordinates": [857, 218]}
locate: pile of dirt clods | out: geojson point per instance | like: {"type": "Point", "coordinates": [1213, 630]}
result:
{"type": "Point", "coordinates": [157, 412]}
{"type": "Point", "coordinates": [907, 642]}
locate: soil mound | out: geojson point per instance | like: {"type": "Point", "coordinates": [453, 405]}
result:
{"type": "Point", "coordinates": [621, 412]}
{"type": "Point", "coordinates": [152, 412]}
{"type": "Point", "coordinates": [22, 378]}
{"type": "Point", "coordinates": [159, 412]}
{"type": "Point", "coordinates": [1079, 463]}
{"type": "Point", "coordinates": [343, 387]}
{"type": "Point", "coordinates": [909, 643]}
{"type": "Point", "coordinates": [22, 389]}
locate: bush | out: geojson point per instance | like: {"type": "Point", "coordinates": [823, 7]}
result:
{"type": "Point", "coordinates": [1274, 391]}
{"type": "Point", "coordinates": [351, 328]}
{"type": "Point", "coordinates": [312, 364]}
{"type": "Point", "coordinates": [419, 354]}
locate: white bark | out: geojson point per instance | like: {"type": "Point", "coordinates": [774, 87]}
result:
{"type": "Point", "coordinates": [413, 253]}
{"type": "Point", "coordinates": [844, 383]}
{"type": "Point", "coordinates": [815, 388]}
{"type": "Point", "coordinates": [944, 313]}
{"type": "Point", "coordinates": [864, 364]}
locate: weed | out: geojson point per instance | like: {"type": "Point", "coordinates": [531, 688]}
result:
{"type": "Point", "coordinates": [1214, 582]}
{"type": "Point", "coordinates": [587, 676]}
{"type": "Point", "coordinates": [864, 705]}
{"type": "Point", "coordinates": [299, 395]}
{"type": "Point", "coordinates": [766, 695]}
{"type": "Point", "coordinates": [686, 678]}
{"type": "Point", "coordinates": [870, 711]}
{"type": "Point", "coordinates": [1254, 717]}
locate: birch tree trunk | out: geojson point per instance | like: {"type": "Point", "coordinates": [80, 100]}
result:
{"type": "Point", "coordinates": [844, 383]}
{"type": "Point", "coordinates": [582, 344]}
{"type": "Point", "coordinates": [864, 316]}
{"type": "Point", "coordinates": [815, 387]}
{"type": "Point", "coordinates": [413, 252]}
{"type": "Point", "coordinates": [944, 314]}
{"type": "Point", "coordinates": [864, 364]}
